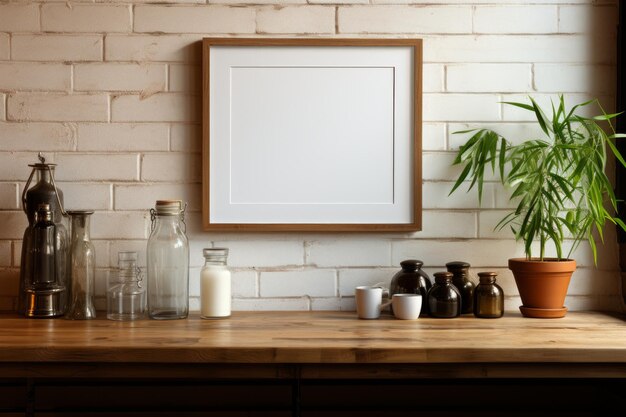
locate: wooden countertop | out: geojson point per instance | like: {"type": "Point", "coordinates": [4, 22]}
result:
{"type": "Point", "coordinates": [317, 338]}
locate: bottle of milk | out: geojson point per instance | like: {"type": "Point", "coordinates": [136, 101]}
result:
{"type": "Point", "coordinates": [215, 284]}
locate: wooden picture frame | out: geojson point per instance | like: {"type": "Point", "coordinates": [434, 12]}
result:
{"type": "Point", "coordinates": [311, 135]}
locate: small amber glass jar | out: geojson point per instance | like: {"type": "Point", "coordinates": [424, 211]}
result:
{"type": "Point", "coordinates": [488, 297]}
{"type": "Point", "coordinates": [444, 299]}
{"type": "Point", "coordinates": [460, 279]}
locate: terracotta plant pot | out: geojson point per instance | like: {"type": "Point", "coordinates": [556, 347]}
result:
{"type": "Point", "coordinates": [542, 285]}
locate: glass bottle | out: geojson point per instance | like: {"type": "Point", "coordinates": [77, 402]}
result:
{"type": "Point", "coordinates": [43, 192]}
{"type": "Point", "coordinates": [168, 262]}
{"type": "Point", "coordinates": [460, 279]}
{"type": "Point", "coordinates": [215, 284]}
{"type": "Point", "coordinates": [82, 267]}
{"type": "Point", "coordinates": [42, 290]}
{"type": "Point", "coordinates": [444, 299]}
{"type": "Point", "coordinates": [488, 297]}
{"type": "Point", "coordinates": [126, 295]}
{"type": "Point", "coordinates": [411, 280]}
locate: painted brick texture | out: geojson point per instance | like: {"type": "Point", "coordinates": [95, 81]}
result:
{"type": "Point", "coordinates": [110, 90]}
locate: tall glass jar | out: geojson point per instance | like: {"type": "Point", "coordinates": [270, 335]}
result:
{"type": "Point", "coordinates": [488, 297]}
{"type": "Point", "coordinates": [126, 293]}
{"type": "Point", "coordinates": [444, 299]}
{"type": "Point", "coordinates": [168, 262]}
{"type": "Point", "coordinates": [82, 267]}
{"type": "Point", "coordinates": [460, 279]}
{"type": "Point", "coordinates": [215, 284]}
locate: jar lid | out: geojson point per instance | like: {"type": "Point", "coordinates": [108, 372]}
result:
{"type": "Point", "coordinates": [443, 277]}
{"type": "Point", "coordinates": [80, 212]}
{"type": "Point", "coordinates": [455, 265]}
{"type": "Point", "coordinates": [206, 252]}
{"type": "Point", "coordinates": [127, 256]}
{"type": "Point", "coordinates": [42, 164]}
{"type": "Point", "coordinates": [411, 264]}
{"type": "Point", "coordinates": [487, 277]}
{"type": "Point", "coordinates": [169, 207]}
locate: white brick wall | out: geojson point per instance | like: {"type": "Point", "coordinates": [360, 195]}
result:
{"type": "Point", "coordinates": [8, 196]}
{"type": "Point", "coordinates": [307, 19]}
{"type": "Point", "coordinates": [57, 107]}
{"type": "Point", "coordinates": [110, 90]}
{"type": "Point", "coordinates": [200, 19]}
{"type": "Point", "coordinates": [149, 48]}
{"type": "Point", "coordinates": [515, 48]}
{"type": "Point", "coordinates": [298, 283]}
{"type": "Point", "coordinates": [31, 76]}
{"type": "Point", "coordinates": [171, 167]}
{"type": "Point", "coordinates": [40, 47]}
{"type": "Point", "coordinates": [19, 17]}
{"type": "Point", "coordinates": [479, 78]}
{"type": "Point", "coordinates": [85, 18]}
{"type": "Point", "coordinates": [166, 107]}
{"type": "Point", "coordinates": [97, 167]}
{"type": "Point", "coordinates": [28, 137]}
{"type": "Point", "coordinates": [119, 77]}
{"type": "Point", "coordinates": [264, 253]}
{"type": "Point", "coordinates": [185, 78]}
{"type": "Point", "coordinates": [4, 46]}
{"type": "Point", "coordinates": [515, 19]}
{"type": "Point", "coordinates": [351, 252]}
{"type": "Point", "coordinates": [122, 137]}
{"type": "Point", "coordinates": [405, 19]}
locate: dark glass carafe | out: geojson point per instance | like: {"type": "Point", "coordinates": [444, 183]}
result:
{"type": "Point", "coordinates": [488, 297]}
{"type": "Point", "coordinates": [444, 299]}
{"type": "Point", "coordinates": [43, 192]}
{"type": "Point", "coordinates": [460, 279]}
{"type": "Point", "coordinates": [43, 292]}
{"type": "Point", "coordinates": [411, 280]}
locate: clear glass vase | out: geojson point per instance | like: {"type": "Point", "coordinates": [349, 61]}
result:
{"type": "Point", "coordinates": [168, 262]}
{"type": "Point", "coordinates": [82, 268]}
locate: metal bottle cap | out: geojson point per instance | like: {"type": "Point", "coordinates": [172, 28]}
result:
{"type": "Point", "coordinates": [44, 212]}
{"type": "Point", "coordinates": [169, 207]}
{"type": "Point", "coordinates": [443, 277]}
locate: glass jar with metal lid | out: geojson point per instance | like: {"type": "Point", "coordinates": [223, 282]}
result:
{"type": "Point", "coordinates": [168, 262]}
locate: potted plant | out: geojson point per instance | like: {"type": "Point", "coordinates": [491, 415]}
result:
{"type": "Point", "coordinates": [561, 190]}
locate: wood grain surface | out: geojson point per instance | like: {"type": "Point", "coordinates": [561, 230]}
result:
{"type": "Point", "coordinates": [317, 338]}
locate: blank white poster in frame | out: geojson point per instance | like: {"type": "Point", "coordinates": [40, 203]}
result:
{"type": "Point", "coordinates": [311, 134]}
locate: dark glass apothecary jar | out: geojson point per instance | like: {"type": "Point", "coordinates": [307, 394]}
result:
{"type": "Point", "coordinates": [488, 297]}
{"type": "Point", "coordinates": [460, 279]}
{"type": "Point", "coordinates": [444, 299]}
{"type": "Point", "coordinates": [411, 280]}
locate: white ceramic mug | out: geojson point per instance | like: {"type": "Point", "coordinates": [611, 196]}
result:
{"type": "Point", "coordinates": [369, 301]}
{"type": "Point", "coordinates": [406, 306]}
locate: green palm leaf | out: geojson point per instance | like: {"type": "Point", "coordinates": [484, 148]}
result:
{"type": "Point", "coordinates": [557, 183]}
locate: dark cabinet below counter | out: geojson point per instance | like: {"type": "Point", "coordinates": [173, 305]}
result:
{"type": "Point", "coordinates": [322, 398]}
